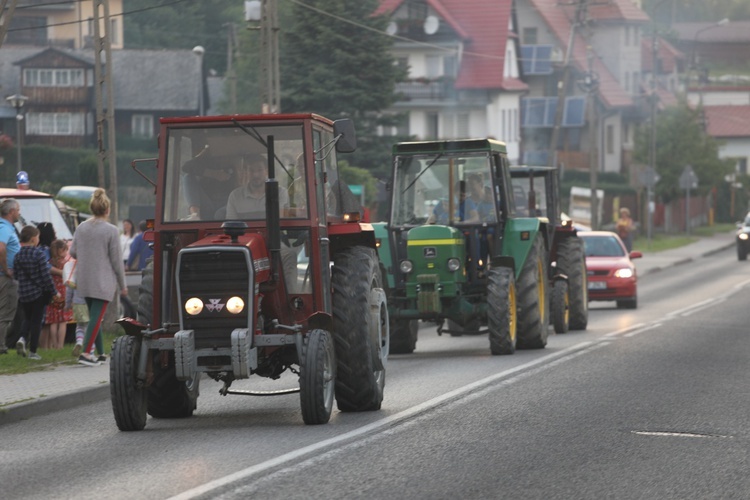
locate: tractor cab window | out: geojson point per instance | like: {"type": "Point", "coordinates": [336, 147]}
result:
{"type": "Point", "coordinates": [338, 197]}
{"type": "Point", "coordinates": [219, 173]}
{"type": "Point", "coordinates": [530, 198]}
{"type": "Point", "coordinates": [444, 189]}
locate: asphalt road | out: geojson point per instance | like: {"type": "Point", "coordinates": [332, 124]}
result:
{"type": "Point", "coordinates": [650, 403]}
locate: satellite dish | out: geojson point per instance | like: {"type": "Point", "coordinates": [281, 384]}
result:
{"type": "Point", "coordinates": [431, 25]}
{"type": "Point", "coordinates": [392, 28]}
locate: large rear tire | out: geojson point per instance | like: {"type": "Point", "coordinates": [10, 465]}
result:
{"type": "Point", "coordinates": [360, 357]}
{"type": "Point", "coordinates": [533, 303]}
{"type": "Point", "coordinates": [317, 377]}
{"type": "Point", "coordinates": [169, 397]}
{"type": "Point", "coordinates": [404, 336]}
{"type": "Point", "coordinates": [571, 261]}
{"type": "Point", "coordinates": [741, 252]}
{"type": "Point", "coordinates": [127, 393]}
{"type": "Point", "coordinates": [560, 306]}
{"type": "Point", "coordinates": [502, 321]}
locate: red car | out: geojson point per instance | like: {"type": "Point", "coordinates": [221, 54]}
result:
{"type": "Point", "coordinates": [611, 273]}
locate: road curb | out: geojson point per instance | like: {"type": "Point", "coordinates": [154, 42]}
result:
{"type": "Point", "coordinates": [41, 406]}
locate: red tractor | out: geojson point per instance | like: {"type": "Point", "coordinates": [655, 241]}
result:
{"type": "Point", "coordinates": [260, 266]}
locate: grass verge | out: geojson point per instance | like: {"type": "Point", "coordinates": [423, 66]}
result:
{"type": "Point", "coordinates": [13, 364]}
{"type": "Point", "coordinates": [660, 241]}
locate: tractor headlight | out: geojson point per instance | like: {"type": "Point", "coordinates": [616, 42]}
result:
{"type": "Point", "coordinates": [235, 305]}
{"type": "Point", "coordinates": [406, 266]}
{"type": "Point", "coordinates": [454, 264]}
{"type": "Point", "coordinates": [743, 236]}
{"type": "Point", "coordinates": [624, 273]}
{"type": "Point", "coordinates": [193, 306]}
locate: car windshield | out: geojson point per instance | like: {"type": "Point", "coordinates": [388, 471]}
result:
{"type": "Point", "coordinates": [218, 173]}
{"type": "Point", "coordinates": [429, 188]}
{"type": "Point", "coordinates": [602, 246]}
{"type": "Point", "coordinates": [36, 210]}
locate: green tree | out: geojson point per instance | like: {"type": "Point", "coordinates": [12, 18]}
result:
{"type": "Point", "coordinates": [342, 69]}
{"type": "Point", "coordinates": [681, 141]}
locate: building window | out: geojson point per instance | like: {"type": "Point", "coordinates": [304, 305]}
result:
{"type": "Point", "coordinates": [610, 139]}
{"type": "Point", "coordinates": [55, 123]}
{"type": "Point", "coordinates": [142, 126]}
{"type": "Point", "coordinates": [530, 36]}
{"type": "Point", "coordinates": [431, 125]}
{"type": "Point", "coordinates": [462, 125]}
{"type": "Point", "coordinates": [434, 66]}
{"type": "Point", "coordinates": [34, 77]}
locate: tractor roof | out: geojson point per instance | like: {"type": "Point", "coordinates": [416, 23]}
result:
{"type": "Point", "coordinates": [450, 146]}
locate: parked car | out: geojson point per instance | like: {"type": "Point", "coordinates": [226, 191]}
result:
{"type": "Point", "coordinates": [743, 238]}
{"type": "Point", "coordinates": [610, 270]}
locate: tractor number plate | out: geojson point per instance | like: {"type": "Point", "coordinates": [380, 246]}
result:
{"type": "Point", "coordinates": [430, 252]}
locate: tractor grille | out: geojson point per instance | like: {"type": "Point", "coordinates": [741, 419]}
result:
{"type": "Point", "coordinates": [214, 276]}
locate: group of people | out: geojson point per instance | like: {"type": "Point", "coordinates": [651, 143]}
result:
{"type": "Point", "coordinates": [32, 278]}
{"type": "Point", "coordinates": [135, 250]}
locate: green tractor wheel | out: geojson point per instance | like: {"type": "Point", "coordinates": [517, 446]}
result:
{"type": "Point", "coordinates": [533, 301]}
{"type": "Point", "coordinates": [501, 310]}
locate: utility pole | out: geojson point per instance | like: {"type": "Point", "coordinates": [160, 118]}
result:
{"type": "Point", "coordinates": [562, 85]}
{"type": "Point", "coordinates": [105, 117]}
{"type": "Point", "coordinates": [6, 16]}
{"type": "Point", "coordinates": [590, 84]}
{"type": "Point", "coordinates": [269, 35]}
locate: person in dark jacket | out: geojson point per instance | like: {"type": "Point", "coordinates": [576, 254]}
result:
{"type": "Point", "coordinates": [140, 250]}
{"type": "Point", "coordinates": [35, 289]}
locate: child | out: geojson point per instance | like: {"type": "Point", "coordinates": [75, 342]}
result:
{"type": "Point", "coordinates": [58, 315]}
{"type": "Point", "coordinates": [35, 289]}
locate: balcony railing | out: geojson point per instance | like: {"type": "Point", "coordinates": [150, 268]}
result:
{"type": "Point", "coordinates": [426, 89]}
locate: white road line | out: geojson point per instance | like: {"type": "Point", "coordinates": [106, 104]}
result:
{"type": "Point", "coordinates": [644, 329]}
{"type": "Point", "coordinates": [273, 463]}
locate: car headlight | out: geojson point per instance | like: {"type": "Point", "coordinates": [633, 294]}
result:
{"type": "Point", "coordinates": [235, 305]}
{"type": "Point", "coordinates": [193, 306]}
{"type": "Point", "coordinates": [743, 236]}
{"type": "Point", "coordinates": [406, 266]}
{"type": "Point", "coordinates": [624, 273]}
{"type": "Point", "coordinates": [454, 264]}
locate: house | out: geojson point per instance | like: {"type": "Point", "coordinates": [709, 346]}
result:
{"type": "Point", "coordinates": [463, 69]}
{"type": "Point", "coordinates": [730, 124]}
{"type": "Point", "coordinates": [605, 62]}
{"type": "Point", "coordinates": [43, 23]}
{"type": "Point", "coordinates": [59, 84]}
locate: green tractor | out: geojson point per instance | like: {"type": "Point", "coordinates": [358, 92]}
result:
{"type": "Point", "coordinates": [456, 249]}
{"type": "Point", "coordinates": [536, 192]}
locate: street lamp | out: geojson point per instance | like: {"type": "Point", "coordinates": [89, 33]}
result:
{"type": "Point", "coordinates": [198, 50]}
{"type": "Point", "coordinates": [17, 101]}
{"type": "Point", "coordinates": [694, 54]}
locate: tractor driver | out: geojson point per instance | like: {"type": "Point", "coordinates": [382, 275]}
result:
{"type": "Point", "coordinates": [249, 201]}
{"type": "Point", "coordinates": [465, 210]}
{"type": "Point", "coordinates": [206, 182]}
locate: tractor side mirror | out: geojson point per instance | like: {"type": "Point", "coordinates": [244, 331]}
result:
{"type": "Point", "coordinates": [343, 129]}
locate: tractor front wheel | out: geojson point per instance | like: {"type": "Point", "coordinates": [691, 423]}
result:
{"type": "Point", "coordinates": [127, 392]}
{"type": "Point", "coordinates": [571, 261]}
{"type": "Point", "coordinates": [169, 397]}
{"type": "Point", "coordinates": [501, 310]}
{"type": "Point", "coordinates": [404, 336]}
{"type": "Point", "coordinates": [560, 307]}
{"type": "Point", "coordinates": [317, 377]}
{"type": "Point", "coordinates": [533, 303]}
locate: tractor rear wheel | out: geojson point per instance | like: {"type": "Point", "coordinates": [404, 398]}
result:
{"type": "Point", "coordinates": [169, 397]}
{"type": "Point", "coordinates": [361, 352]}
{"type": "Point", "coordinates": [501, 310]}
{"type": "Point", "coordinates": [404, 336]}
{"type": "Point", "coordinates": [317, 377]}
{"type": "Point", "coordinates": [533, 302]}
{"type": "Point", "coordinates": [571, 261]}
{"type": "Point", "coordinates": [560, 307]}
{"type": "Point", "coordinates": [127, 393]}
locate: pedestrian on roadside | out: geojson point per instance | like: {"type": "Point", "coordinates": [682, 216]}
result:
{"type": "Point", "coordinates": [10, 211]}
{"type": "Point", "coordinates": [57, 315]}
{"type": "Point", "coordinates": [46, 236]}
{"type": "Point", "coordinates": [126, 239]}
{"type": "Point", "coordinates": [625, 228]}
{"type": "Point", "coordinates": [77, 302]}
{"type": "Point", "coordinates": [99, 270]}
{"type": "Point", "coordinates": [35, 289]}
{"type": "Point", "coordinates": [140, 250]}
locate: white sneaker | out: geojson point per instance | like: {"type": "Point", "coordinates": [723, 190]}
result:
{"type": "Point", "coordinates": [34, 356]}
{"type": "Point", "coordinates": [21, 347]}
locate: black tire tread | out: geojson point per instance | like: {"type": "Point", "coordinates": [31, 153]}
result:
{"type": "Point", "coordinates": [169, 397]}
{"type": "Point", "coordinates": [560, 301]}
{"type": "Point", "coordinates": [533, 310]}
{"type": "Point", "coordinates": [317, 346]}
{"type": "Point", "coordinates": [571, 261]}
{"type": "Point", "coordinates": [128, 399]}
{"type": "Point", "coordinates": [404, 336]}
{"type": "Point", "coordinates": [500, 305]}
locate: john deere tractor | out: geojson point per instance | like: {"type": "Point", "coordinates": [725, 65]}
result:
{"type": "Point", "coordinates": [536, 192]}
{"type": "Point", "coordinates": [456, 249]}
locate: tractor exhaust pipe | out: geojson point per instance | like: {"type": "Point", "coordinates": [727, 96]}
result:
{"type": "Point", "coordinates": [272, 213]}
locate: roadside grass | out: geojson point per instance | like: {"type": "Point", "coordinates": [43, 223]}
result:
{"type": "Point", "coordinates": [13, 364]}
{"type": "Point", "coordinates": [660, 241]}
